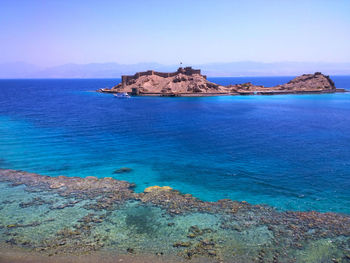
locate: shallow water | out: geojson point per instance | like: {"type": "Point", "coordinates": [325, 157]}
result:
{"type": "Point", "coordinates": [51, 224]}
{"type": "Point", "coordinates": [288, 151]}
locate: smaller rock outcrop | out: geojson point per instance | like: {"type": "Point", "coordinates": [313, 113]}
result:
{"type": "Point", "coordinates": [307, 83]}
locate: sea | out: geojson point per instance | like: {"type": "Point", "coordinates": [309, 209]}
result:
{"type": "Point", "coordinates": [291, 152]}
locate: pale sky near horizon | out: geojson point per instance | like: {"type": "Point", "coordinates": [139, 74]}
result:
{"type": "Point", "coordinates": [49, 33]}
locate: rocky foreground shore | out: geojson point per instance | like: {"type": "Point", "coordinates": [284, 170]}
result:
{"type": "Point", "coordinates": [190, 82]}
{"type": "Point", "coordinates": [55, 216]}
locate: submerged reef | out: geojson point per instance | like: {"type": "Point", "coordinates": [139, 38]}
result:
{"type": "Point", "coordinates": [56, 216]}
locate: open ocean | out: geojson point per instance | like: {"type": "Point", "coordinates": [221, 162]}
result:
{"type": "Point", "coordinates": [288, 151]}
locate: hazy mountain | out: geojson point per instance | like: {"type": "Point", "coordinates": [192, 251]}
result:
{"type": "Point", "coordinates": [115, 70]}
{"type": "Point", "coordinates": [17, 70]}
{"type": "Point", "coordinates": [96, 70]}
{"type": "Point", "coordinates": [274, 69]}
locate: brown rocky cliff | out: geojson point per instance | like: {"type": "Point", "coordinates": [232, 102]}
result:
{"type": "Point", "coordinates": [181, 83]}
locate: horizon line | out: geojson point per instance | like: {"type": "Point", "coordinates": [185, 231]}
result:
{"type": "Point", "coordinates": [87, 78]}
{"type": "Point", "coordinates": [175, 64]}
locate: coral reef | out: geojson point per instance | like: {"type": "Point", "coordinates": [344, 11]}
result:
{"type": "Point", "coordinates": [85, 215]}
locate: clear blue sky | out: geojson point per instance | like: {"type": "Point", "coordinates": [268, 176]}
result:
{"type": "Point", "coordinates": [53, 32]}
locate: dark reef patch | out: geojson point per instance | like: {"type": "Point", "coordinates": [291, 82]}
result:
{"type": "Point", "coordinates": [122, 170]}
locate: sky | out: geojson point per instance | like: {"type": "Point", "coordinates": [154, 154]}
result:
{"type": "Point", "coordinates": [49, 33]}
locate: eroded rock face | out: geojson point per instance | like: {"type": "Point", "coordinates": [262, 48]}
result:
{"type": "Point", "coordinates": [185, 84]}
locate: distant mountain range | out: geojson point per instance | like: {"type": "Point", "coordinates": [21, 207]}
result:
{"type": "Point", "coordinates": [115, 70]}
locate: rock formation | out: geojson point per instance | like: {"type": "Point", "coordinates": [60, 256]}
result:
{"type": "Point", "coordinates": [183, 81]}
{"type": "Point", "coordinates": [307, 83]}
{"type": "Point", "coordinates": [190, 82]}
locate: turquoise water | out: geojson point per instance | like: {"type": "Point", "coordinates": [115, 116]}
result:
{"type": "Point", "coordinates": [47, 223]}
{"type": "Point", "coordinates": [288, 151]}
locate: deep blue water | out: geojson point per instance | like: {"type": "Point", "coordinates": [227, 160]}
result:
{"type": "Point", "coordinates": [288, 151]}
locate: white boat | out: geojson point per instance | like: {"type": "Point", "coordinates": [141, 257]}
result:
{"type": "Point", "coordinates": [122, 95]}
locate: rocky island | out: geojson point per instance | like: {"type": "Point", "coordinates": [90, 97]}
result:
{"type": "Point", "coordinates": [190, 82]}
